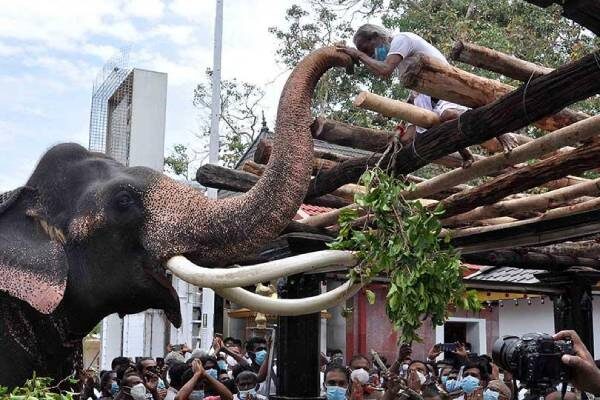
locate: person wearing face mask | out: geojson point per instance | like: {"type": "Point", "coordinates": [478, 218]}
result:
{"type": "Point", "coordinates": [361, 388]}
{"type": "Point", "coordinates": [200, 385]}
{"type": "Point", "coordinates": [132, 388]}
{"type": "Point", "coordinates": [247, 384]}
{"type": "Point", "coordinates": [336, 382]}
{"type": "Point", "coordinates": [106, 385]}
{"type": "Point", "coordinates": [176, 372]}
{"type": "Point", "coordinates": [497, 390]}
{"type": "Point", "coordinates": [474, 378]}
{"type": "Point", "coordinates": [382, 52]}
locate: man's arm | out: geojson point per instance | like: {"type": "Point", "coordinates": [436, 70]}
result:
{"type": "Point", "coordinates": [189, 386]}
{"type": "Point", "coordinates": [380, 68]}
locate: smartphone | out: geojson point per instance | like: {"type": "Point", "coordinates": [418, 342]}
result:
{"type": "Point", "coordinates": [447, 347]}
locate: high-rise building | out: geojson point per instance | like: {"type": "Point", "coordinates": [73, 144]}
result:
{"type": "Point", "coordinates": [127, 123]}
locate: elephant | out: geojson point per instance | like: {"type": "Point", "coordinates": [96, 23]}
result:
{"type": "Point", "coordinates": [86, 236]}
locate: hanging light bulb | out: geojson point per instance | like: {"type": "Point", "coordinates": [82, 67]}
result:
{"type": "Point", "coordinates": [500, 303]}
{"type": "Point", "coordinates": [542, 299]}
{"type": "Point", "coordinates": [529, 301]}
{"type": "Point", "coordinates": [516, 302]}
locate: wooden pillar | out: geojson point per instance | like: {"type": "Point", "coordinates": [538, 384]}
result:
{"type": "Point", "coordinates": [298, 372]}
{"type": "Point", "coordinates": [573, 308]}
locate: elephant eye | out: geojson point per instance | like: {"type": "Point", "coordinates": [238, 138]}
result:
{"type": "Point", "coordinates": [123, 200]}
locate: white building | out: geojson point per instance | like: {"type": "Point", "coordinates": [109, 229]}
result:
{"type": "Point", "coordinates": [127, 123]}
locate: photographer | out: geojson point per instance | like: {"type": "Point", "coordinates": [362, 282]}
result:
{"type": "Point", "coordinates": [585, 376]}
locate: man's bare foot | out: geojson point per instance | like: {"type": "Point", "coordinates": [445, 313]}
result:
{"type": "Point", "coordinates": [467, 157]}
{"type": "Point", "coordinates": [508, 142]}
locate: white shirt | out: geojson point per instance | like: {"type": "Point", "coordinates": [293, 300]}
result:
{"type": "Point", "coordinates": [408, 44]}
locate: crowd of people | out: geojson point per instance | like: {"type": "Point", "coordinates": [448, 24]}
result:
{"type": "Point", "coordinates": [232, 371]}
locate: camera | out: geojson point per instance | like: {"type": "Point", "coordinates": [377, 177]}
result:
{"type": "Point", "coordinates": [533, 359]}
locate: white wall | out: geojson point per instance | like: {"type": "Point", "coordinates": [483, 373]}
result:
{"type": "Point", "coordinates": [111, 339]}
{"type": "Point", "coordinates": [148, 110]}
{"type": "Point", "coordinates": [524, 318]}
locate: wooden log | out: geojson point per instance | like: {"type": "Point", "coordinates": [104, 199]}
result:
{"type": "Point", "coordinates": [396, 109]}
{"type": "Point", "coordinates": [376, 140]}
{"type": "Point", "coordinates": [540, 202]}
{"type": "Point", "coordinates": [351, 135]}
{"type": "Point", "coordinates": [532, 233]}
{"type": "Point", "coordinates": [582, 159]}
{"type": "Point", "coordinates": [578, 132]}
{"type": "Point", "coordinates": [528, 259]}
{"type": "Point", "coordinates": [544, 96]}
{"type": "Point", "coordinates": [554, 213]}
{"type": "Point", "coordinates": [583, 248]}
{"type": "Point", "coordinates": [443, 81]}
{"type": "Point", "coordinates": [253, 167]}
{"type": "Point", "coordinates": [496, 61]}
{"type": "Point", "coordinates": [234, 180]}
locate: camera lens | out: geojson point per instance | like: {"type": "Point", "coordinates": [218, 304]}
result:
{"type": "Point", "coordinates": [502, 352]}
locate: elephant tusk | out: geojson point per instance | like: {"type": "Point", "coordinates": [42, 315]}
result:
{"type": "Point", "coordinates": [244, 276]}
{"type": "Point", "coordinates": [290, 307]}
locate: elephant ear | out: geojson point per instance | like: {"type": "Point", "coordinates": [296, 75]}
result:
{"type": "Point", "coordinates": [33, 263]}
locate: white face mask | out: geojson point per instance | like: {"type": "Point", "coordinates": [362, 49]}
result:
{"type": "Point", "coordinates": [138, 392]}
{"type": "Point", "coordinates": [422, 378]}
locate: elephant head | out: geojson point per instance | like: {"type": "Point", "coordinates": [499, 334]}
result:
{"type": "Point", "coordinates": [87, 236]}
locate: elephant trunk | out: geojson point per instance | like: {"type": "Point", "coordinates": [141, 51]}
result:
{"type": "Point", "coordinates": [217, 232]}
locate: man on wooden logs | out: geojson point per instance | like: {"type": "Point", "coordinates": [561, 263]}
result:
{"type": "Point", "coordinates": [381, 53]}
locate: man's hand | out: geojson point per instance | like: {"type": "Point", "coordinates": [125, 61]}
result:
{"type": "Point", "coordinates": [585, 376]}
{"type": "Point", "coordinates": [351, 51]}
{"type": "Point", "coordinates": [393, 386]}
{"type": "Point", "coordinates": [151, 382]}
{"type": "Point", "coordinates": [217, 343]}
{"type": "Point", "coordinates": [404, 351]}
{"type": "Point", "coordinates": [461, 351]}
{"type": "Point", "coordinates": [198, 369]}
{"type": "Point", "coordinates": [413, 381]}
{"type": "Point", "coordinates": [185, 349]}
{"type": "Point", "coordinates": [434, 352]}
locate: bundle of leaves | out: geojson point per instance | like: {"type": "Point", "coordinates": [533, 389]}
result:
{"type": "Point", "coordinates": [400, 239]}
{"type": "Point", "coordinates": [36, 388]}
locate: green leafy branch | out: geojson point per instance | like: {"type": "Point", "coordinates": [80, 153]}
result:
{"type": "Point", "coordinates": [37, 388]}
{"type": "Point", "coordinates": [400, 239]}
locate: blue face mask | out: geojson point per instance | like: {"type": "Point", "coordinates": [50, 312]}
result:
{"type": "Point", "coordinates": [336, 392]}
{"type": "Point", "coordinates": [444, 379]}
{"type": "Point", "coordinates": [196, 395]}
{"type": "Point", "coordinates": [490, 395]}
{"type": "Point", "coordinates": [260, 356]}
{"type": "Point", "coordinates": [212, 373]}
{"type": "Point", "coordinates": [114, 388]}
{"type": "Point", "coordinates": [381, 52]}
{"type": "Point", "coordinates": [469, 384]}
{"type": "Point", "coordinates": [243, 394]}
{"type": "Point", "coordinates": [222, 365]}
{"type": "Point", "coordinates": [452, 385]}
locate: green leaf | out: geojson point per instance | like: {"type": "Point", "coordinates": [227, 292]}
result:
{"type": "Point", "coordinates": [370, 296]}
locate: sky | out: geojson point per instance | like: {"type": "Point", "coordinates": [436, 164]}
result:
{"type": "Point", "coordinates": [51, 52]}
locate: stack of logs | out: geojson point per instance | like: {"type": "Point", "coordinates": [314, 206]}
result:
{"type": "Point", "coordinates": [551, 162]}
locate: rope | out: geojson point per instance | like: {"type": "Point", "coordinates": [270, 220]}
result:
{"type": "Point", "coordinates": [524, 93]}
{"type": "Point", "coordinates": [459, 127]}
{"type": "Point", "coordinates": [415, 150]}
{"type": "Point", "coordinates": [596, 59]}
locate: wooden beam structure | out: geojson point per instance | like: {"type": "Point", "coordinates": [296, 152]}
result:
{"type": "Point", "coordinates": [572, 134]}
{"type": "Point", "coordinates": [396, 109]}
{"type": "Point", "coordinates": [529, 260]}
{"type": "Point", "coordinates": [218, 177]}
{"type": "Point", "coordinates": [443, 81]}
{"type": "Point", "coordinates": [582, 159]}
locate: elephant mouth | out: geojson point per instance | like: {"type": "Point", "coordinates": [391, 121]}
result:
{"type": "Point", "coordinates": [170, 299]}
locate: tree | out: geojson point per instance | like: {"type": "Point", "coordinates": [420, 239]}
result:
{"type": "Point", "coordinates": [240, 104]}
{"type": "Point", "coordinates": [178, 162]}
